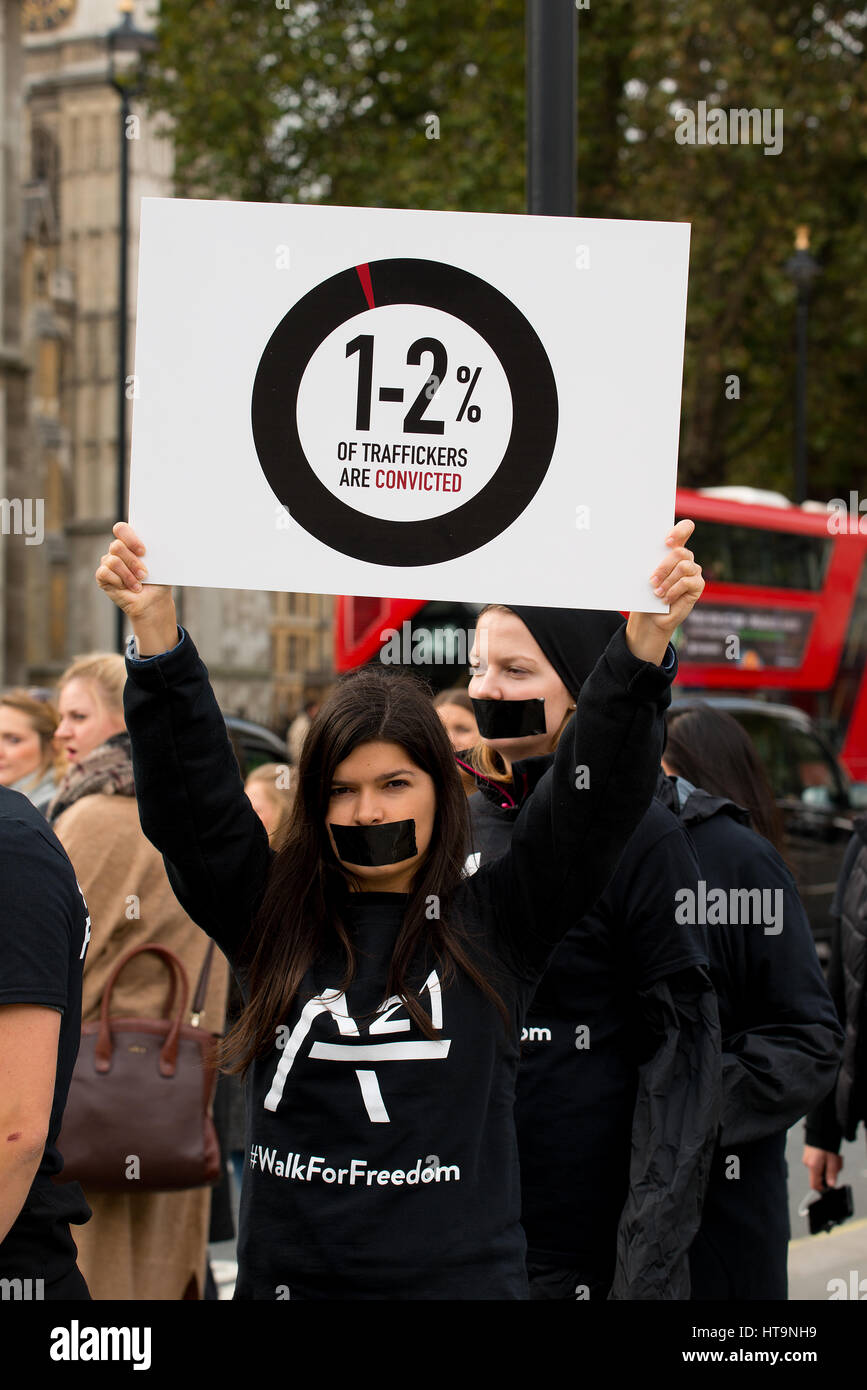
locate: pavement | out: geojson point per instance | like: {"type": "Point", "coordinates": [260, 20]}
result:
{"type": "Point", "coordinates": [223, 1257]}
{"type": "Point", "coordinates": [814, 1261]}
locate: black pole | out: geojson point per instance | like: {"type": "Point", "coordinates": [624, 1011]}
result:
{"type": "Point", "coordinates": [802, 269]}
{"type": "Point", "coordinates": [801, 395]}
{"type": "Point", "coordinates": [120, 499]}
{"type": "Point", "coordinates": [552, 97]}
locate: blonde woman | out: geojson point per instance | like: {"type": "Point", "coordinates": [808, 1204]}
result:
{"type": "Point", "coordinates": [271, 791]}
{"type": "Point", "coordinates": [455, 709]}
{"type": "Point", "coordinates": [138, 1245]}
{"type": "Point", "coordinates": [29, 760]}
{"type": "Point", "coordinates": [91, 732]}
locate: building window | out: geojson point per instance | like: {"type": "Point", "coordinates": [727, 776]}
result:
{"type": "Point", "coordinates": [45, 164]}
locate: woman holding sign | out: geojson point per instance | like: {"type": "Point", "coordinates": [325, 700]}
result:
{"type": "Point", "coordinates": [616, 1095]}
{"type": "Point", "coordinates": [384, 992]}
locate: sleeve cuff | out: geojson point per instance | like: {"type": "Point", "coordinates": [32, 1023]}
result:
{"type": "Point", "coordinates": [643, 679]}
{"type": "Point", "coordinates": [818, 1138]}
{"type": "Point", "coordinates": [132, 650]}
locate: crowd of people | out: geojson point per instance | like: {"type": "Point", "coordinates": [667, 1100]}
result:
{"type": "Point", "coordinates": [452, 956]}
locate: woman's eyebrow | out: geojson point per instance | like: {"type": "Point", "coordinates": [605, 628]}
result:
{"type": "Point", "coordinates": [517, 656]}
{"type": "Point", "coordinates": [382, 777]}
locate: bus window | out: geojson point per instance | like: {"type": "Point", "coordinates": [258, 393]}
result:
{"type": "Point", "coordinates": [771, 559]}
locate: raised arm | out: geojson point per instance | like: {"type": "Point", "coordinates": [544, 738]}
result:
{"type": "Point", "coordinates": [570, 835]}
{"type": "Point", "coordinates": [191, 799]}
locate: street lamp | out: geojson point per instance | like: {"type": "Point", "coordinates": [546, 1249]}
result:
{"type": "Point", "coordinates": [124, 39]}
{"type": "Point", "coordinates": [802, 269]}
{"type": "Point", "coordinates": [552, 98]}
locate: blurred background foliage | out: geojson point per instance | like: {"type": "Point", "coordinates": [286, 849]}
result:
{"type": "Point", "coordinates": [331, 102]}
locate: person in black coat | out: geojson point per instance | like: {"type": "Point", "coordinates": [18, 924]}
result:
{"type": "Point", "coordinates": [44, 935]}
{"type": "Point", "coordinates": [845, 1106]}
{"type": "Point", "coordinates": [781, 1039]}
{"type": "Point", "coordinates": [618, 1083]}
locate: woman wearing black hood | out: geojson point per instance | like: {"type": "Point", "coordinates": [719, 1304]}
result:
{"type": "Point", "coordinates": [781, 1039]}
{"type": "Point", "coordinates": [618, 1084]}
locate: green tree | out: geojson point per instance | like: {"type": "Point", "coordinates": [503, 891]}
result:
{"type": "Point", "coordinates": [329, 102]}
{"type": "Point", "coordinates": [808, 62]}
{"type": "Point", "coordinates": [367, 103]}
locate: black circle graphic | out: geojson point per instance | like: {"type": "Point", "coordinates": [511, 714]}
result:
{"type": "Point", "coordinates": [528, 453]}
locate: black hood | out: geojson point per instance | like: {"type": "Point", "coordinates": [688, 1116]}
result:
{"type": "Point", "coordinates": [692, 805]}
{"type": "Point", "coordinates": [573, 639]}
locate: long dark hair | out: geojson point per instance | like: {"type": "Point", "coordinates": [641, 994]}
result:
{"type": "Point", "coordinates": [300, 913]}
{"type": "Point", "coordinates": [711, 749]}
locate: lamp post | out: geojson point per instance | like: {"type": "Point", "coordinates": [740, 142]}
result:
{"type": "Point", "coordinates": [552, 94]}
{"type": "Point", "coordinates": [802, 269]}
{"type": "Point", "coordinates": [124, 38]}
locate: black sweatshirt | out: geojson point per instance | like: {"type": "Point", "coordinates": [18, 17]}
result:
{"type": "Point", "coordinates": [44, 932]}
{"type": "Point", "coordinates": [395, 1176]}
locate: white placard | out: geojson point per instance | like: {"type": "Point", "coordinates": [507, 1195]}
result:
{"type": "Point", "coordinates": [431, 405]}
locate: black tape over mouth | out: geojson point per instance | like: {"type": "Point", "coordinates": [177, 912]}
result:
{"type": "Point", "coordinates": [374, 845]}
{"type": "Point", "coordinates": [510, 718]}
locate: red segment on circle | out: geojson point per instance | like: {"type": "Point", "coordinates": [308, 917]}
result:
{"type": "Point", "coordinates": [363, 272]}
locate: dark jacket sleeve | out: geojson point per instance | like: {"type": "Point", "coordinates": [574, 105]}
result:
{"type": "Point", "coordinates": [674, 1135]}
{"type": "Point", "coordinates": [785, 1054]}
{"type": "Point", "coordinates": [676, 1112]}
{"type": "Point", "coordinates": [191, 799]}
{"type": "Point", "coordinates": [572, 831]}
{"type": "Point", "coordinates": [823, 1129]}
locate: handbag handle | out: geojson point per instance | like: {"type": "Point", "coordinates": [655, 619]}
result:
{"type": "Point", "coordinates": [198, 1005]}
{"type": "Point", "coordinates": [169, 1050]}
{"type": "Point", "coordinates": [202, 987]}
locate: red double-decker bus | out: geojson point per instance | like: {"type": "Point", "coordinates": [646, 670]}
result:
{"type": "Point", "coordinates": [783, 617]}
{"type": "Point", "coordinates": [792, 590]}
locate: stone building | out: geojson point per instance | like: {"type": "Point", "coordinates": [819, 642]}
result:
{"type": "Point", "coordinates": [16, 496]}
{"type": "Point", "coordinates": [262, 650]}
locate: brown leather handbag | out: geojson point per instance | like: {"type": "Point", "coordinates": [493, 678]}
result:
{"type": "Point", "coordinates": [138, 1115]}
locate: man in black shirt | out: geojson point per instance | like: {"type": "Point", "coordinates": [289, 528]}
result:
{"type": "Point", "coordinates": [44, 931]}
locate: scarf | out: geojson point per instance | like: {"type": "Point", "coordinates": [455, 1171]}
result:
{"type": "Point", "coordinates": [107, 770]}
